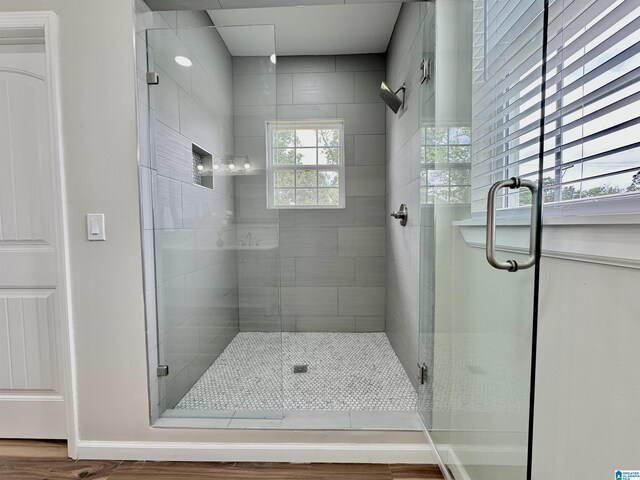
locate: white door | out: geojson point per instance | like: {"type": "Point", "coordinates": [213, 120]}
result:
{"type": "Point", "coordinates": [31, 380]}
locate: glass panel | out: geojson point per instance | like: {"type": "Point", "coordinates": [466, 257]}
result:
{"type": "Point", "coordinates": [328, 178]}
{"type": "Point", "coordinates": [306, 156]}
{"type": "Point", "coordinates": [476, 321]}
{"type": "Point", "coordinates": [284, 156]}
{"type": "Point", "coordinates": [217, 283]}
{"type": "Point", "coordinates": [285, 196]}
{"type": "Point", "coordinates": [329, 156]}
{"type": "Point", "coordinates": [306, 138]}
{"type": "Point", "coordinates": [284, 178]}
{"type": "Point", "coordinates": [306, 196]}
{"type": "Point", "coordinates": [328, 138]}
{"type": "Point", "coordinates": [284, 138]}
{"type": "Point", "coordinates": [328, 196]}
{"type": "Point", "coordinates": [306, 178]}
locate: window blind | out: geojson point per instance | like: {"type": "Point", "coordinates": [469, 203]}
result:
{"type": "Point", "coordinates": [592, 121]}
{"type": "Point", "coordinates": [506, 109]}
{"type": "Point", "coordinates": [592, 126]}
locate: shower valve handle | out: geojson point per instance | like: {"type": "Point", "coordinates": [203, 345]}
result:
{"type": "Point", "coordinates": [402, 214]}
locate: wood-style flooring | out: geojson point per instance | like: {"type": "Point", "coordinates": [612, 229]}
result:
{"type": "Point", "coordinates": [47, 460]}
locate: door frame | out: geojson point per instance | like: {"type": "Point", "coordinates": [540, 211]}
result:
{"type": "Point", "coordinates": [47, 22]}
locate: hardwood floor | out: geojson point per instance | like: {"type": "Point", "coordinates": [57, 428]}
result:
{"type": "Point", "coordinates": [47, 460]}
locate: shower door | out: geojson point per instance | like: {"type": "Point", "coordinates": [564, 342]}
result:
{"type": "Point", "coordinates": [479, 144]}
{"type": "Point", "coordinates": [214, 242]}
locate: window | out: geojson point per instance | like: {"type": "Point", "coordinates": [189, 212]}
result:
{"type": "Point", "coordinates": [305, 164]}
{"type": "Point", "coordinates": [445, 174]}
{"type": "Point", "coordinates": [592, 123]}
{"type": "Point", "coordinates": [592, 97]}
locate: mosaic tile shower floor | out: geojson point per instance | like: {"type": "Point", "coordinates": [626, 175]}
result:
{"type": "Point", "coordinates": [346, 371]}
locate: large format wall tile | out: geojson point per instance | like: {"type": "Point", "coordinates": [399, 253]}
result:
{"type": "Point", "coordinates": [366, 181]}
{"type": "Point", "coordinates": [364, 301]}
{"type": "Point", "coordinates": [309, 242]}
{"type": "Point", "coordinates": [316, 88]}
{"type": "Point", "coordinates": [306, 64]}
{"type": "Point", "coordinates": [314, 301]}
{"type": "Point", "coordinates": [254, 89]}
{"type": "Point", "coordinates": [367, 86]}
{"type": "Point", "coordinates": [361, 241]}
{"type": "Point", "coordinates": [363, 118]}
{"type": "Point", "coordinates": [173, 154]}
{"type": "Point", "coordinates": [325, 272]}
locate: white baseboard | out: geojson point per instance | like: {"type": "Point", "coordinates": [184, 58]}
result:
{"type": "Point", "coordinates": [257, 452]}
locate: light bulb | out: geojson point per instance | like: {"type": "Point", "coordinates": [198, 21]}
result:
{"type": "Point", "coordinates": [232, 166]}
{"type": "Point", "coordinates": [247, 166]}
{"type": "Point", "coordinates": [216, 166]}
{"type": "Point", "coordinates": [272, 57]}
{"type": "Point", "coordinates": [200, 167]}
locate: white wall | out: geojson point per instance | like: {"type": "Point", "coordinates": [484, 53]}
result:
{"type": "Point", "coordinates": [587, 410]}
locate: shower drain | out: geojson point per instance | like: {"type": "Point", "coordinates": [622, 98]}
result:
{"type": "Point", "coordinates": [300, 368]}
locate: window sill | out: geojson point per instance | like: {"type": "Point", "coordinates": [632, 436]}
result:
{"type": "Point", "coordinates": [575, 238]}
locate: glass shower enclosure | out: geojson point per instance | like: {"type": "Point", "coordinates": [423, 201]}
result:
{"type": "Point", "coordinates": [215, 243]}
{"type": "Point", "coordinates": [480, 167]}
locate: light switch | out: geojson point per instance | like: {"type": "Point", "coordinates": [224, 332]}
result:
{"type": "Point", "coordinates": [95, 226]}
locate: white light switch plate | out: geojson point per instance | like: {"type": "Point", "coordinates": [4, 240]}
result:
{"type": "Point", "coordinates": [95, 226]}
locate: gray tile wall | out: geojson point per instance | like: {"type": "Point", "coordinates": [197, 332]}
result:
{"type": "Point", "coordinates": [331, 254]}
{"type": "Point", "coordinates": [403, 243]}
{"type": "Point", "coordinates": [254, 93]}
{"type": "Point", "coordinates": [332, 262]}
{"type": "Point", "coordinates": [195, 281]}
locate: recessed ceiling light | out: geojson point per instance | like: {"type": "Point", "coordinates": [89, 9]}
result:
{"type": "Point", "coordinates": [273, 58]}
{"type": "Point", "coordinates": [184, 61]}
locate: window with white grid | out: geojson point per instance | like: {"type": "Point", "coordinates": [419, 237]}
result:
{"type": "Point", "coordinates": [305, 164]}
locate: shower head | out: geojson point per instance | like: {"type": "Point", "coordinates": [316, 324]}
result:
{"type": "Point", "coordinates": [391, 98]}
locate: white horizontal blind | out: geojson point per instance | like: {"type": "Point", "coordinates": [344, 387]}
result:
{"type": "Point", "coordinates": [506, 110]}
{"type": "Point", "coordinates": [592, 122]}
{"type": "Point", "coordinates": [592, 126]}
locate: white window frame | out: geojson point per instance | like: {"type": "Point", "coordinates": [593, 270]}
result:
{"type": "Point", "coordinates": [319, 124]}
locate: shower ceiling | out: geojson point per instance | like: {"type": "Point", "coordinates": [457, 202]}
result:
{"type": "Point", "coordinates": [315, 30]}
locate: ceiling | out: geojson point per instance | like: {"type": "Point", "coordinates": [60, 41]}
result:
{"type": "Point", "coordinates": [312, 29]}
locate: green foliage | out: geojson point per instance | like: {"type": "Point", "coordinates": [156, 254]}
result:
{"type": "Point", "coordinates": [284, 178]}
{"type": "Point", "coordinates": [328, 178]}
{"type": "Point", "coordinates": [306, 196]}
{"type": "Point", "coordinates": [306, 178]}
{"type": "Point", "coordinates": [328, 196]}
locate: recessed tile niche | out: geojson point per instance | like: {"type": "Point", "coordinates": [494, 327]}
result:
{"type": "Point", "coordinates": [202, 166]}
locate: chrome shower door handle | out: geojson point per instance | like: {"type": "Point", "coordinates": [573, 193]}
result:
{"type": "Point", "coordinates": [510, 265]}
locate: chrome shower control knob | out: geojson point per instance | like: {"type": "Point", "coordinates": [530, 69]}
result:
{"type": "Point", "coordinates": [402, 214]}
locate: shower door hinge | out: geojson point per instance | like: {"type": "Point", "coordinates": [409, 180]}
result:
{"type": "Point", "coordinates": [153, 78]}
{"type": "Point", "coordinates": [162, 370]}
{"type": "Point", "coordinates": [423, 371]}
{"type": "Point", "coordinates": [425, 70]}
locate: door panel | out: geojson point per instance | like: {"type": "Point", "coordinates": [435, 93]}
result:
{"type": "Point", "coordinates": [480, 120]}
{"type": "Point", "coordinates": [31, 400]}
